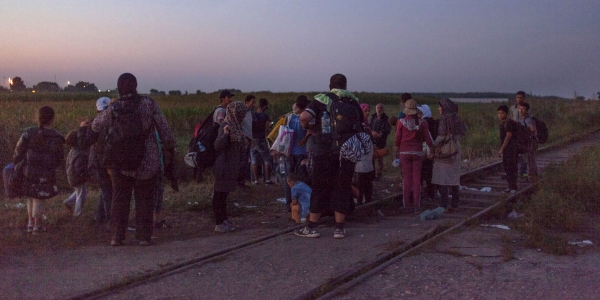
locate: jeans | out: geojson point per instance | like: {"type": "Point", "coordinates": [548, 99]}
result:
{"type": "Point", "coordinates": [105, 201]}
{"type": "Point", "coordinates": [77, 199]}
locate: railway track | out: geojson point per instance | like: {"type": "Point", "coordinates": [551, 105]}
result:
{"type": "Point", "coordinates": [264, 260]}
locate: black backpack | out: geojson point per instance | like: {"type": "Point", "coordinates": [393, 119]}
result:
{"type": "Point", "coordinates": [542, 130]}
{"type": "Point", "coordinates": [124, 146]}
{"type": "Point", "coordinates": [346, 119]}
{"type": "Point", "coordinates": [205, 135]}
{"type": "Point", "coordinates": [522, 136]}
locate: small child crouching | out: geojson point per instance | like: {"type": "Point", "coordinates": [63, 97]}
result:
{"type": "Point", "coordinates": [77, 163]}
{"type": "Point", "coordinates": [300, 198]}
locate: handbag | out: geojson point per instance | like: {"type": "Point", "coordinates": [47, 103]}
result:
{"type": "Point", "coordinates": [448, 146]}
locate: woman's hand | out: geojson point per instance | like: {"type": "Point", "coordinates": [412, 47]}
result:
{"type": "Point", "coordinates": [226, 129]}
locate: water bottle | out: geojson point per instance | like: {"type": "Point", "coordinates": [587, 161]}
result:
{"type": "Point", "coordinates": [281, 165]}
{"type": "Point", "coordinates": [201, 147]}
{"type": "Point", "coordinates": [325, 123]}
{"type": "Point", "coordinates": [396, 163]}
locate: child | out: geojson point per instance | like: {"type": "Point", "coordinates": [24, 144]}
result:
{"type": "Point", "coordinates": [300, 198]}
{"type": "Point", "coordinates": [508, 151]}
{"type": "Point", "coordinates": [77, 162]}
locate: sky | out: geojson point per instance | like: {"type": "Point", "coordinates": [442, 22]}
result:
{"type": "Point", "coordinates": [544, 47]}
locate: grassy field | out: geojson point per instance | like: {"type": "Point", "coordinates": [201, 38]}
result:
{"type": "Point", "coordinates": [189, 209]}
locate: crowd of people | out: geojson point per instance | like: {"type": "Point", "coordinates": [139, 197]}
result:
{"type": "Point", "coordinates": [335, 154]}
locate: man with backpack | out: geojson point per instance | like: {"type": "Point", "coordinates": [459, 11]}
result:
{"type": "Point", "coordinates": [526, 120]}
{"type": "Point", "coordinates": [130, 153]}
{"type": "Point", "coordinates": [515, 115]}
{"type": "Point", "coordinates": [334, 119]}
{"type": "Point", "coordinates": [226, 97]}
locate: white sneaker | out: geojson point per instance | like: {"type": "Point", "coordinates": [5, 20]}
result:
{"type": "Point", "coordinates": [223, 228]}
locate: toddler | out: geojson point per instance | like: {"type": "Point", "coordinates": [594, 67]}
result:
{"type": "Point", "coordinates": [300, 198]}
{"type": "Point", "coordinates": [77, 162]}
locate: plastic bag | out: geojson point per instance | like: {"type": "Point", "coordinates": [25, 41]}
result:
{"type": "Point", "coordinates": [283, 143]}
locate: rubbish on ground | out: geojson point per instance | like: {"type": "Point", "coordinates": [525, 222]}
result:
{"type": "Point", "coordinates": [236, 204]}
{"type": "Point", "coordinates": [431, 214]}
{"type": "Point", "coordinates": [486, 189]}
{"type": "Point", "coordinates": [468, 188]}
{"type": "Point", "coordinates": [582, 243]}
{"type": "Point", "coordinates": [497, 226]}
{"type": "Point", "coordinates": [515, 215]}
{"type": "Point", "coordinates": [386, 191]}
{"type": "Point", "coordinates": [380, 213]}
{"type": "Point", "coordinates": [281, 200]}
{"type": "Point", "coordinates": [20, 205]}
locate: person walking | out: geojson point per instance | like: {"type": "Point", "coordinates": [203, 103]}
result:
{"type": "Point", "coordinates": [446, 171]}
{"type": "Point", "coordinates": [77, 173]}
{"type": "Point", "coordinates": [410, 135]}
{"type": "Point", "coordinates": [380, 129]}
{"type": "Point", "coordinates": [139, 178]}
{"type": "Point", "coordinates": [229, 146]}
{"type": "Point", "coordinates": [40, 150]}
{"type": "Point", "coordinates": [260, 148]}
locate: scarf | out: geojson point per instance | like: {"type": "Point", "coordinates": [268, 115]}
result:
{"type": "Point", "coordinates": [450, 123]}
{"type": "Point", "coordinates": [236, 111]}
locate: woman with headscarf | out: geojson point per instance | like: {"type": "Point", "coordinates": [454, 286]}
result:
{"type": "Point", "coordinates": [229, 144]}
{"type": "Point", "coordinates": [446, 171]}
{"type": "Point", "coordinates": [142, 180]}
{"type": "Point", "coordinates": [411, 132]}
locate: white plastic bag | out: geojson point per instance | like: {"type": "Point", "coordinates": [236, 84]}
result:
{"type": "Point", "coordinates": [283, 143]}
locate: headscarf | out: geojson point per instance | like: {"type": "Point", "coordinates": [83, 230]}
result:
{"type": "Point", "coordinates": [425, 109]}
{"type": "Point", "coordinates": [127, 84]}
{"type": "Point", "coordinates": [410, 107]}
{"type": "Point", "coordinates": [450, 123]}
{"type": "Point", "coordinates": [236, 111]}
{"type": "Point", "coordinates": [363, 107]}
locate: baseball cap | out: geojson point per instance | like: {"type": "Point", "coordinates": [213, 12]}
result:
{"type": "Point", "coordinates": [102, 103]}
{"type": "Point", "coordinates": [226, 93]}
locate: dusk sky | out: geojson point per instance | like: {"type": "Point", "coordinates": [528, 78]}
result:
{"type": "Point", "coordinates": [544, 47]}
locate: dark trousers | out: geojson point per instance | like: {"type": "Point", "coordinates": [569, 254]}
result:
{"type": "Point", "coordinates": [143, 192]}
{"type": "Point", "coordinates": [219, 204]}
{"type": "Point", "coordinates": [364, 184]}
{"type": "Point", "coordinates": [444, 193]}
{"type": "Point", "coordinates": [510, 160]}
{"type": "Point", "coordinates": [105, 201]}
{"type": "Point", "coordinates": [331, 184]}
{"type": "Point", "coordinates": [427, 175]}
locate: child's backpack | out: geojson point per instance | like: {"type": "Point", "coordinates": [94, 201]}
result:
{"type": "Point", "coordinates": [124, 146]}
{"type": "Point", "coordinates": [542, 130]}
{"type": "Point", "coordinates": [201, 148]}
{"type": "Point", "coordinates": [523, 137]}
{"type": "Point", "coordinates": [346, 119]}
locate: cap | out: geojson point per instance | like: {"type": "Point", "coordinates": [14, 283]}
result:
{"type": "Point", "coordinates": [226, 93]}
{"type": "Point", "coordinates": [102, 103]}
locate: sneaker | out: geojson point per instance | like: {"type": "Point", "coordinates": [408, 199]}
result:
{"type": "Point", "coordinates": [223, 228]}
{"type": "Point", "coordinates": [255, 182]}
{"type": "Point", "coordinates": [38, 230]}
{"type": "Point", "coordinates": [417, 210]}
{"type": "Point", "coordinates": [307, 232]}
{"type": "Point", "coordinates": [339, 233]}
{"type": "Point", "coordinates": [161, 224]}
{"type": "Point", "coordinates": [268, 182]}
{"type": "Point", "coordinates": [512, 192]}
{"type": "Point", "coordinates": [29, 227]}
{"type": "Point", "coordinates": [507, 190]}
{"type": "Point", "coordinates": [229, 223]}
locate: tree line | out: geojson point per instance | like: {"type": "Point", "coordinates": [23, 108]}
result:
{"type": "Point", "coordinates": [18, 85]}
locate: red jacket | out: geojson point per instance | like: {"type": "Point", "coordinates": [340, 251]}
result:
{"type": "Point", "coordinates": [408, 140]}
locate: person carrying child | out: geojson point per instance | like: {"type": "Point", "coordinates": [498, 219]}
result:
{"type": "Point", "coordinates": [77, 173]}
{"type": "Point", "coordinates": [300, 198]}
